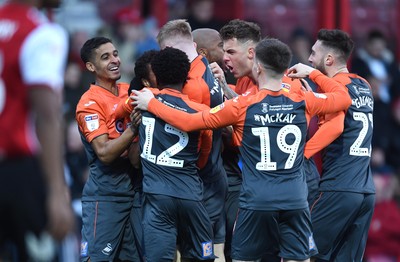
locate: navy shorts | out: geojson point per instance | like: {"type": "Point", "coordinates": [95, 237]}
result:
{"type": "Point", "coordinates": [136, 221]}
{"type": "Point", "coordinates": [231, 211]}
{"type": "Point", "coordinates": [107, 232]}
{"type": "Point", "coordinates": [285, 234]}
{"type": "Point", "coordinates": [340, 223]}
{"type": "Point", "coordinates": [22, 203]}
{"type": "Point", "coordinates": [312, 178]}
{"type": "Point", "coordinates": [214, 196]}
{"type": "Point", "coordinates": [166, 219]}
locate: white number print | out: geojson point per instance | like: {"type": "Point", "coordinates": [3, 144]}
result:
{"type": "Point", "coordinates": [265, 146]}
{"type": "Point", "coordinates": [2, 86]}
{"type": "Point", "coordinates": [165, 158]}
{"type": "Point", "coordinates": [356, 149]}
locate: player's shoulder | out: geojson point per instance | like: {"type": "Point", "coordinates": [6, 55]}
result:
{"type": "Point", "coordinates": [90, 99]}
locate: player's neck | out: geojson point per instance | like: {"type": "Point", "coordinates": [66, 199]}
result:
{"type": "Point", "coordinates": [110, 86]}
{"type": "Point", "coordinates": [271, 84]}
{"type": "Point", "coordinates": [337, 70]}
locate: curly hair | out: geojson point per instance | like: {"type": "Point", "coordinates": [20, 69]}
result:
{"type": "Point", "coordinates": [142, 63]}
{"type": "Point", "coordinates": [170, 66]}
{"type": "Point", "coordinates": [273, 54]}
{"type": "Point", "coordinates": [241, 30]}
{"type": "Point", "coordinates": [90, 45]}
{"type": "Point", "coordinates": [338, 40]}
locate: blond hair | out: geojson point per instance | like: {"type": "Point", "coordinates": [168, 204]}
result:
{"type": "Point", "coordinates": [173, 31]}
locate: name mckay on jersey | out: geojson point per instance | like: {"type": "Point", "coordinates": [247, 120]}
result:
{"type": "Point", "coordinates": [275, 118]}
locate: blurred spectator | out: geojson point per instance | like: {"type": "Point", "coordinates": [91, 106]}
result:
{"type": "Point", "coordinates": [201, 15]}
{"type": "Point", "coordinates": [393, 151]}
{"type": "Point", "coordinates": [377, 64]}
{"type": "Point", "coordinates": [72, 89]}
{"type": "Point", "coordinates": [300, 43]}
{"type": "Point", "coordinates": [148, 40]}
{"type": "Point", "coordinates": [384, 234]}
{"type": "Point", "coordinates": [128, 32]}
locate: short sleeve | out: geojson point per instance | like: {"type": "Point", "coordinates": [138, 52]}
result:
{"type": "Point", "coordinates": [43, 56]}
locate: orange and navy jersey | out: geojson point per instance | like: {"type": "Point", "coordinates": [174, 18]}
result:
{"type": "Point", "coordinates": [346, 160]}
{"type": "Point", "coordinates": [245, 86]}
{"type": "Point", "coordinates": [203, 88]}
{"type": "Point", "coordinates": [270, 129]}
{"type": "Point", "coordinates": [95, 117]}
{"type": "Point", "coordinates": [169, 155]}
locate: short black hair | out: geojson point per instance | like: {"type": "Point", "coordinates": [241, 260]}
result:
{"type": "Point", "coordinates": [241, 30]}
{"type": "Point", "coordinates": [142, 63]}
{"type": "Point", "coordinates": [90, 45]}
{"type": "Point", "coordinates": [337, 40]}
{"type": "Point", "coordinates": [273, 54]}
{"type": "Point", "coordinates": [170, 66]}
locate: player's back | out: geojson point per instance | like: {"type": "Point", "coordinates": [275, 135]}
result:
{"type": "Point", "coordinates": [203, 88]}
{"type": "Point", "coordinates": [169, 155]}
{"type": "Point", "coordinates": [272, 144]}
{"type": "Point", "coordinates": [346, 160]}
{"type": "Point", "coordinates": [17, 22]}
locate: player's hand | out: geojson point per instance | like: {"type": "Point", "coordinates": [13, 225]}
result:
{"type": "Point", "coordinates": [141, 98]}
{"type": "Point", "coordinates": [299, 71]}
{"type": "Point", "coordinates": [61, 217]}
{"type": "Point", "coordinates": [217, 72]}
{"type": "Point", "coordinates": [136, 119]}
{"type": "Point", "coordinates": [305, 85]}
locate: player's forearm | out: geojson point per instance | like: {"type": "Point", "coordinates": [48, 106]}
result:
{"type": "Point", "coordinates": [114, 148]}
{"type": "Point", "coordinates": [49, 129]}
{"type": "Point", "coordinates": [184, 121]}
{"type": "Point", "coordinates": [326, 134]}
{"type": "Point", "coordinates": [228, 92]}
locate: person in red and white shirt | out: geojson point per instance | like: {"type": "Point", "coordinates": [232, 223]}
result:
{"type": "Point", "coordinates": [34, 197]}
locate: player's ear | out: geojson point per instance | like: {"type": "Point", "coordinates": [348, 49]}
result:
{"type": "Point", "coordinates": [90, 67]}
{"type": "Point", "coordinates": [329, 59]}
{"type": "Point", "coordinates": [251, 52]}
{"type": "Point", "coordinates": [202, 52]}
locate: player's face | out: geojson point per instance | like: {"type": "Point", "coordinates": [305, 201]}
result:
{"type": "Point", "coordinates": [317, 56]}
{"type": "Point", "coordinates": [152, 77]}
{"type": "Point", "coordinates": [107, 63]}
{"type": "Point", "coordinates": [238, 58]}
{"type": "Point", "coordinates": [216, 52]}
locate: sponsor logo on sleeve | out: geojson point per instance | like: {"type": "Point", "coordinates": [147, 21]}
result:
{"type": "Point", "coordinates": [217, 108]}
{"type": "Point", "coordinates": [92, 122]}
{"type": "Point", "coordinates": [119, 125]}
{"type": "Point", "coordinates": [207, 248]}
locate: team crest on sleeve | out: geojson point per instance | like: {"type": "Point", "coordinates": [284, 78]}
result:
{"type": "Point", "coordinates": [92, 122]}
{"type": "Point", "coordinates": [207, 248]}
{"type": "Point", "coordinates": [84, 249]}
{"type": "Point", "coordinates": [319, 95]}
{"type": "Point", "coordinates": [217, 108]}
